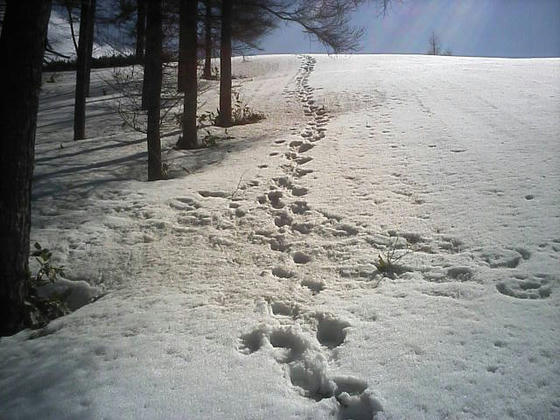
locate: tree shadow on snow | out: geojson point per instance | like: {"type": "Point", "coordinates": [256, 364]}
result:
{"type": "Point", "coordinates": [79, 173]}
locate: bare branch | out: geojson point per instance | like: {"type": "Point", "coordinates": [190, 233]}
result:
{"type": "Point", "coordinates": [48, 48]}
{"type": "Point", "coordinates": [71, 21]}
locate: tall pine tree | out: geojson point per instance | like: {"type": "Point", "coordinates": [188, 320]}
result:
{"type": "Point", "coordinates": [152, 84]}
{"type": "Point", "coordinates": [22, 47]}
{"type": "Point", "coordinates": [83, 67]}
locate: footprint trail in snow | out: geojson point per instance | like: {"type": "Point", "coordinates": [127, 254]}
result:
{"type": "Point", "coordinates": [305, 357]}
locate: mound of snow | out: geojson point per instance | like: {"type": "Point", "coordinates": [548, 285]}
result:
{"type": "Point", "coordinates": [74, 293]}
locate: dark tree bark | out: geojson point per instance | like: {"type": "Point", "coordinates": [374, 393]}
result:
{"type": "Point", "coordinates": [207, 73]}
{"type": "Point", "coordinates": [22, 45]}
{"type": "Point", "coordinates": [140, 29]}
{"type": "Point", "coordinates": [153, 66]}
{"type": "Point", "coordinates": [147, 77]}
{"type": "Point", "coordinates": [82, 67]}
{"type": "Point", "coordinates": [183, 40]}
{"type": "Point", "coordinates": [187, 79]}
{"type": "Point", "coordinates": [90, 28]}
{"type": "Point", "coordinates": [141, 39]}
{"type": "Point", "coordinates": [225, 65]}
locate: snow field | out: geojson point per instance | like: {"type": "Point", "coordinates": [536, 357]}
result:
{"type": "Point", "coordinates": [247, 288]}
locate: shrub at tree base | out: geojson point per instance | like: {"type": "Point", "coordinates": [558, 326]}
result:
{"type": "Point", "coordinates": [50, 295]}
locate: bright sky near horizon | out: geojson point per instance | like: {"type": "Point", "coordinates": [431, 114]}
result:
{"type": "Point", "coordinates": [499, 28]}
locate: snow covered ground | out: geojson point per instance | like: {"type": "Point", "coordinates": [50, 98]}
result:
{"type": "Point", "coordinates": [246, 287]}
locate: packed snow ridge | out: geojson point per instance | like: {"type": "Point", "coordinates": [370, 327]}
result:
{"type": "Point", "coordinates": [249, 285]}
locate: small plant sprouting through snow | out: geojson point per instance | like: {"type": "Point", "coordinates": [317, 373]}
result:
{"type": "Point", "coordinates": [238, 187]}
{"type": "Point", "coordinates": [242, 113]}
{"type": "Point", "coordinates": [203, 120]}
{"type": "Point", "coordinates": [386, 263]}
{"type": "Point", "coordinates": [47, 271]}
{"type": "Point", "coordinates": [40, 310]}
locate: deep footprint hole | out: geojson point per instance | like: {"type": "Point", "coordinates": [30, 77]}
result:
{"type": "Point", "coordinates": [251, 342]}
{"type": "Point", "coordinates": [292, 343]}
{"type": "Point", "coordinates": [300, 207]}
{"type": "Point", "coordinates": [331, 332]}
{"type": "Point", "coordinates": [299, 191]}
{"type": "Point", "coordinates": [358, 407]}
{"type": "Point", "coordinates": [284, 309]}
{"type": "Point", "coordinates": [301, 258]}
{"type": "Point", "coordinates": [350, 385]}
{"type": "Point", "coordinates": [316, 287]}
{"type": "Point", "coordinates": [282, 273]}
{"type": "Point", "coordinates": [310, 375]}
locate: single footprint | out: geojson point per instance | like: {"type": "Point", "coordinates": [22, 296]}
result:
{"type": "Point", "coordinates": [497, 258]}
{"type": "Point", "coordinates": [319, 136]}
{"type": "Point", "coordinates": [251, 342]}
{"type": "Point", "coordinates": [358, 407]}
{"type": "Point", "coordinates": [294, 345]}
{"type": "Point", "coordinates": [184, 203]}
{"type": "Point", "coordinates": [301, 172]}
{"type": "Point", "coordinates": [536, 288]}
{"type": "Point", "coordinates": [300, 207]}
{"type": "Point", "coordinates": [285, 309]}
{"type": "Point", "coordinates": [303, 160]}
{"type": "Point", "coordinates": [283, 219]}
{"type": "Point", "coordinates": [215, 194]}
{"type": "Point", "coordinates": [347, 229]}
{"type": "Point", "coordinates": [315, 286]}
{"type": "Point", "coordinates": [301, 258]}
{"type": "Point", "coordinates": [460, 273]}
{"type": "Point", "coordinates": [331, 331]}
{"type": "Point", "coordinates": [275, 199]}
{"type": "Point", "coordinates": [299, 191]}
{"type": "Point", "coordinates": [282, 272]}
{"type": "Point", "coordinates": [283, 181]}
{"type": "Point", "coordinates": [303, 228]}
{"type": "Point", "coordinates": [279, 243]}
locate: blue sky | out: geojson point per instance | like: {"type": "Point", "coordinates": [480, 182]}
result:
{"type": "Point", "coordinates": [500, 28]}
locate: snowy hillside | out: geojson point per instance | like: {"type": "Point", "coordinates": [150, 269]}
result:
{"type": "Point", "coordinates": [109, 39]}
{"type": "Point", "coordinates": [249, 285]}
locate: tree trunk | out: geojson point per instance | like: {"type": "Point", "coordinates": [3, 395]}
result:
{"type": "Point", "coordinates": [140, 29]}
{"type": "Point", "coordinates": [22, 45]}
{"type": "Point", "coordinates": [81, 71]}
{"type": "Point", "coordinates": [141, 39]}
{"type": "Point", "coordinates": [207, 74]}
{"type": "Point", "coordinates": [153, 65]}
{"type": "Point", "coordinates": [183, 35]}
{"type": "Point", "coordinates": [147, 77]}
{"type": "Point", "coordinates": [189, 83]}
{"type": "Point", "coordinates": [225, 65]}
{"type": "Point", "coordinates": [91, 24]}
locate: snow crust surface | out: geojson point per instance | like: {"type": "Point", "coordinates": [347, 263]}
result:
{"type": "Point", "coordinates": [248, 285]}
